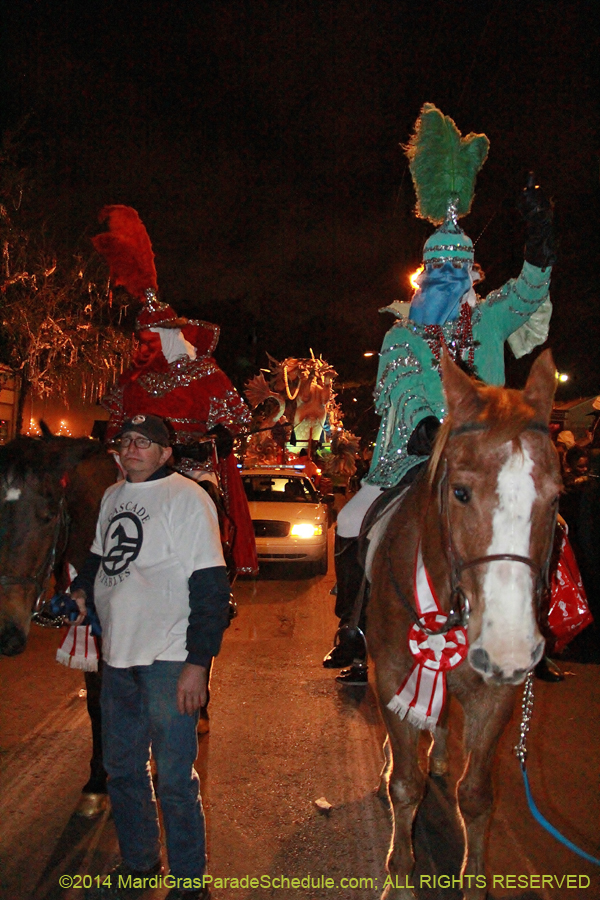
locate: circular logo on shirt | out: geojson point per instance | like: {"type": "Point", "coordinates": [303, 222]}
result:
{"type": "Point", "coordinates": [123, 542]}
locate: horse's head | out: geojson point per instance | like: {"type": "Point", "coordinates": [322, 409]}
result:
{"type": "Point", "coordinates": [499, 480]}
{"type": "Point", "coordinates": [34, 475]}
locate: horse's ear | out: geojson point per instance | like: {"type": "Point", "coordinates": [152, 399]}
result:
{"type": "Point", "coordinates": [464, 402]}
{"type": "Point", "coordinates": [541, 385]}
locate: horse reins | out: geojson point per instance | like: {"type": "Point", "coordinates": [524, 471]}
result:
{"type": "Point", "coordinates": [459, 602]}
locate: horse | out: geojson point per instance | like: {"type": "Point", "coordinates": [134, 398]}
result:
{"type": "Point", "coordinates": [50, 493]}
{"type": "Point", "coordinates": [473, 537]}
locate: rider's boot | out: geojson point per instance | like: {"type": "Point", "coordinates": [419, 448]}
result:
{"type": "Point", "coordinates": [547, 670]}
{"type": "Point", "coordinates": [349, 642]}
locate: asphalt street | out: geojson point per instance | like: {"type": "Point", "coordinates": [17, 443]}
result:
{"type": "Point", "coordinates": [283, 735]}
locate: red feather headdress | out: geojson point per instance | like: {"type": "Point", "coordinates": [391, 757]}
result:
{"type": "Point", "coordinates": [127, 249]}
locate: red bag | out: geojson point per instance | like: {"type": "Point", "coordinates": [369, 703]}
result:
{"type": "Point", "coordinates": [568, 613]}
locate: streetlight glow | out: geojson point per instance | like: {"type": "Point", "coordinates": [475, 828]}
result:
{"type": "Point", "coordinates": [413, 278]}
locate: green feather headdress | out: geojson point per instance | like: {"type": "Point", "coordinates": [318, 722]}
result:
{"type": "Point", "coordinates": [443, 164]}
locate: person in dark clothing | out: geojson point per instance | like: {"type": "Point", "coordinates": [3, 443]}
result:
{"type": "Point", "coordinates": [157, 579]}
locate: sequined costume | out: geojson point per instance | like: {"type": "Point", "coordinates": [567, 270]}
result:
{"type": "Point", "coordinates": [193, 396]}
{"type": "Point", "coordinates": [444, 312]}
{"type": "Point", "coordinates": [408, 381]}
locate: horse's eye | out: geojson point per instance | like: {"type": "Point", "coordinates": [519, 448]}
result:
{"type": "Point", "coordinates": [462, 494]}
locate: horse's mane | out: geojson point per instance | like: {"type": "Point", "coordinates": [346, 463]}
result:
{"type": "Point", "coordinates": [36, 456]}
{"type": "Point", "coordinates": [502, 412]}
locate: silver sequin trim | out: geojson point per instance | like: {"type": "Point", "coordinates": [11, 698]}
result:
{"type": "Point", "coordinates": [535, 287]}
{"type": "Point", "coordinates": [181, 373]}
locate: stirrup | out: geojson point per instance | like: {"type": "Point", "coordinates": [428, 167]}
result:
{"type": "Point", "coordinates": [352, 634]}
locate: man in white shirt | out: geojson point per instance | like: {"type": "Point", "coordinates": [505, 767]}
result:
{"type": "Point", "coordinates": [157, 578]}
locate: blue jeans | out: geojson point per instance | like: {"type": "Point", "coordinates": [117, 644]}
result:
{"type": "Point", "coordinates": [139, 711]}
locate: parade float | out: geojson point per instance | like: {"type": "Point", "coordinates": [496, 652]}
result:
{"type": "Point", "coordinates": [294, 408]}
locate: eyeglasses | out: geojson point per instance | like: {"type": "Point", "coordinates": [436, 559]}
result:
{"type": "Point", "coordinates": [142, 443]}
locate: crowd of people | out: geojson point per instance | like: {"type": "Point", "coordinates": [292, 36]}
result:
{"type": "Point", "coordinates": [580, 508]}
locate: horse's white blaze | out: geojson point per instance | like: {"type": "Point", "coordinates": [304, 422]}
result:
{"type": "Point", "coordinates": [509, 631]}
{"type": "Point", "coordinates": [12, 494]}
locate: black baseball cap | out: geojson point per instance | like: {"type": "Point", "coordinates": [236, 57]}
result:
{"type": "Point", "coordinates": [151, 427]}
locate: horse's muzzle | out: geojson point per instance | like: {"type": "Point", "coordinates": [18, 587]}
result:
{"type": "Point", "coordinates": [480, 661]}
{"type": "Point", "coordinates": [12, 640]}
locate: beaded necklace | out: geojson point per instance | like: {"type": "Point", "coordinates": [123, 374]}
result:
{"type": "Point", "coordinates": [460, 339]}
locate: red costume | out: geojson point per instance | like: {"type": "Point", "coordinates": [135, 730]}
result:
{"type": "Point", "coordinates": [173, 374]}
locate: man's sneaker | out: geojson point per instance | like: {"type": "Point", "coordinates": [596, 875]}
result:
{"type": "Point", "coordinates": [118, 883]}
{"type": "Point", "coordinates": [357, 674]}
{"type": "Point", "coordinates": [181, 894]}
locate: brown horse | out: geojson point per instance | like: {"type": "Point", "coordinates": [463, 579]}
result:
{"type": "Point", "coordinates": [476, 532]}
{"type": "Point", "coordinates": [50, 492]}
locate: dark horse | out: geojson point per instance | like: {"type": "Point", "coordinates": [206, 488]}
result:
{"type": "Point", "coordinates": [50, 492]}
{"type": "Point", "coordinates": [483, 516]}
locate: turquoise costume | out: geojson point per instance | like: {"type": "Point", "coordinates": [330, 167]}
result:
{"type": "Point", "coordinates": [409, 386]}
{"type": "Point", "coordinates": [445, 313]}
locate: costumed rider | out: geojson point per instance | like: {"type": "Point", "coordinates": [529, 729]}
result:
{"type": "Point", "coordinates": [173, 375]}
{"type": "Point", "coordinates": [445, 312]}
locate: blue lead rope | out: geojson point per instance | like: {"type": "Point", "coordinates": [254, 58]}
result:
{"type": "Point", "coordinates": [521, 754]}
{"type": "Point", "coordinates": [550, 828]}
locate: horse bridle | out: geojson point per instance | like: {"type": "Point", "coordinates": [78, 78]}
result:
{"type": "Point", "coordinates": [459, 602]}
{"type": "Point", "coordinates": [42, 576]}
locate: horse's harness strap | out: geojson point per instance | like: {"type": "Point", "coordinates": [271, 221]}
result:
{"type": "Point", "coordinates": [498, 557]}
{"type": "Point", "coordinates": [470, 427]}
{"type": "Point", "coordinates": [61, 524]}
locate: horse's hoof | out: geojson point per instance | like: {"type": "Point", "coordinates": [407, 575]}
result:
{"type": "Point", "coordinates": [438, 767]}
{"type": "Point", "coordinates": [91, 806]}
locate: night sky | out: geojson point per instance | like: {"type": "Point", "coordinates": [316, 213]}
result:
{"type": "Point", "coordinates": [260, 143]}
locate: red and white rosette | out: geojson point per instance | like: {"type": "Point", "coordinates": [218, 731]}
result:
{"type": "Point", "coordinates": [421, 697]}
{"type": "Point", "coordinates": [437, 651]}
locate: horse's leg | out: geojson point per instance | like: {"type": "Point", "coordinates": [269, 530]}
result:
{"type": "Point", "coordinates": [384, 776]}
{"type": "Point", "coordinates": [406, 788]}
{"type": "Point", "coordinates": [438, 752]}
{"type": "Point", "coordinates": [487, 712]}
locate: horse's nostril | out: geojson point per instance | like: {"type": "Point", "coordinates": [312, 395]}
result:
{"type": "Point", "coordinates": [479, 659]}
{"type": "Point", "coordinates": [12, 640]}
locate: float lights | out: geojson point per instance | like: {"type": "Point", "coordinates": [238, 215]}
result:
{"type": "Point", "coordinates": [562, 376]}
{"type": "Point", "coordinates": [413, 278]}
{"type": "Point", "coordinates": [368, 353]}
